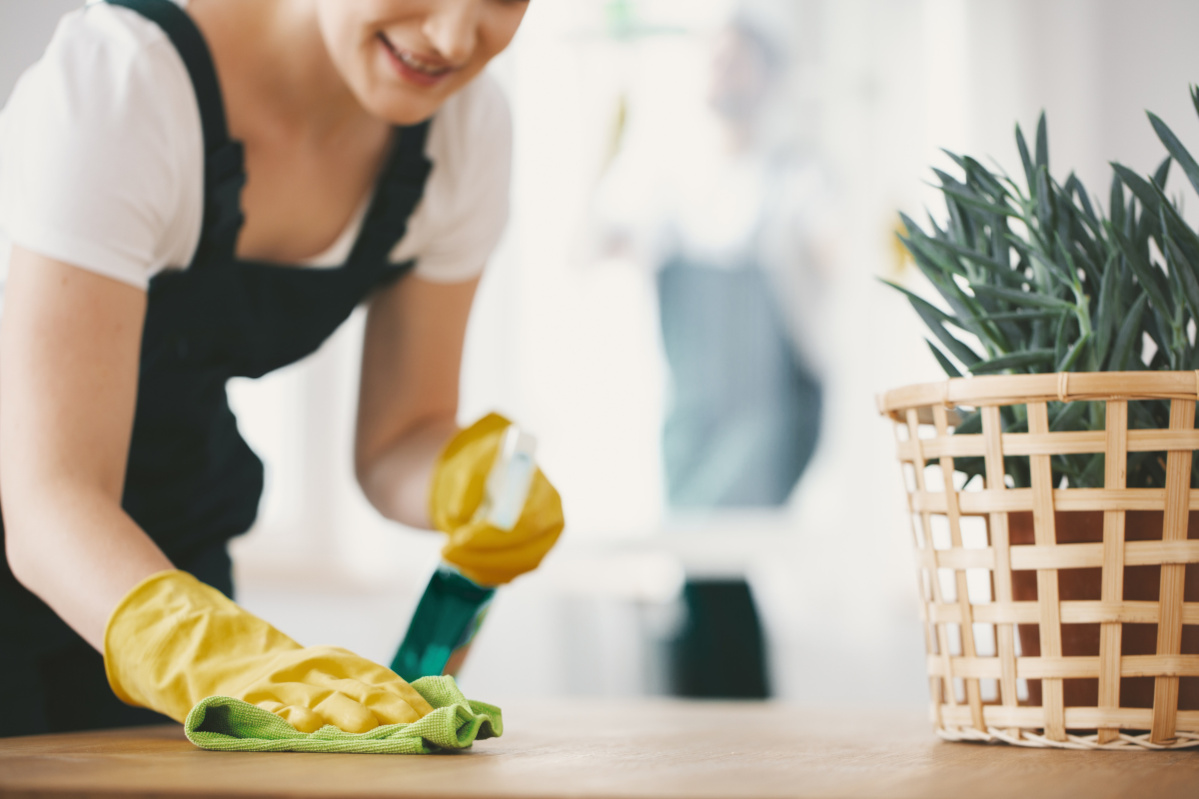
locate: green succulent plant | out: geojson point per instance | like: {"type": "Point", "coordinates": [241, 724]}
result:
{"type": "Point", "coordinates": [1035, 278]}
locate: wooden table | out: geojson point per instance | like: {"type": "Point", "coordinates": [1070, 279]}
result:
{"type": "Point", "coordinates": [594, 749]}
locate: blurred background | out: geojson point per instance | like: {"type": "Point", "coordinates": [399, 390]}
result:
{"type": "Point", "coordinates": [685, 311]}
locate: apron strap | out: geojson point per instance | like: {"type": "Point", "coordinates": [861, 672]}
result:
{"type": "Point", "coordinates": [398, 192]}
{"type": "Point", "coordinates": [224, 159]}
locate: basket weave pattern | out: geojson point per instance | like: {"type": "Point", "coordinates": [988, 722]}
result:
{"type": "Point", "coordinates": [974, 622]}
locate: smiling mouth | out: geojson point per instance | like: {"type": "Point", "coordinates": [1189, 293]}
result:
{"type": "Point", "coordinates": [412, 61]}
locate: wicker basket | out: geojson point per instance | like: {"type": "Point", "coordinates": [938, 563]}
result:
{"type": "Point", "coordinates": [1056, 616]}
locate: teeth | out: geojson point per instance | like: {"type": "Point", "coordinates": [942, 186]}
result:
{"type": "Point", "coordinates": [419, 65]}
{"type": "Point", "coordinates": [413, 61]}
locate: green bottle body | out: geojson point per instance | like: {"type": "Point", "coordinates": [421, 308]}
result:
{"type": "Point", "coordinates": [444, 625]}
{"type": "Point", "coordinates": [453, 607]}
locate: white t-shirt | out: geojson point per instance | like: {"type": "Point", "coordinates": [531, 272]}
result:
{"type": "Point", "coordinates": [723, 211]}
{"type": "Point", "coordinates": [101, 161]}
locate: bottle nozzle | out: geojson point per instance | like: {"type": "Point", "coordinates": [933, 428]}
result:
{"type": "Point", "coordinates": [509, 480]}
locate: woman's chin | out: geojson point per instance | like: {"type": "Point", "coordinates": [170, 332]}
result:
{"type": "Point", "coordinates": [405, 116]}
{"type": "Point", "coordinates": [399, 107]}
{"type": "Point", "coordinates": [401, 103]}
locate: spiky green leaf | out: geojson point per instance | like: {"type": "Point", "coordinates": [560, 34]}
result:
{"type": "Point", "coordinates": [1016, 360]}
{"type": "Point", "coordinates": [1067, 363]}
{"type": "Point", "coordinates": [1025, 299]}
{"type": "Point", "coordinates": [1043, 143]}
{"type": "Point", "coordinates": [946, 364]}
{"type": "Point", "coordinates": [1176, 149]}
{"type": "Point", "coordinates": [1126, 352]}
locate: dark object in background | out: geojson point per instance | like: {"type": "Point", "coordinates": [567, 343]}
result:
{"type": "Point", "coordinates": [720, 652]}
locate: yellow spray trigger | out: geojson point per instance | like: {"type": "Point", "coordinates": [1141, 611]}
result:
{"type": "Point", "coordinates": [527, 512]}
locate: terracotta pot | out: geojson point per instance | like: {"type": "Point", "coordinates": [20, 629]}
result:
{"type": "Point", "coordinates": [1141, 583]}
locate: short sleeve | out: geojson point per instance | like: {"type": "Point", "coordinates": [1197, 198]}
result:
{"type": "Point", "coordinates": [101, 150]}
{"type": "Point", "coordinates": [465, 206]}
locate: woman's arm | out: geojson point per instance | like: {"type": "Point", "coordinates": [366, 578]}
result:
{"type": "Point", "coordinates": [408, 398]}
{"type": "Point", "coordinates": [69, 348]}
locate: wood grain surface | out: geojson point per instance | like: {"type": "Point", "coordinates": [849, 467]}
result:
{"type": "Point", "coordinates": [596, 750]}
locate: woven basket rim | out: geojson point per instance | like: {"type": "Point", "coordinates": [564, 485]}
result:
{"type": "Point", "coordinates": [1060, 386]}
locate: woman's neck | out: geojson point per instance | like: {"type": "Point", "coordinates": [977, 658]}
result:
{"type": "Point", "coordinates": [276, 73]}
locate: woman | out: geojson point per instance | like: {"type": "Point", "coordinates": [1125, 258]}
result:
{"type": "Point", "coordinates": [202, 190]}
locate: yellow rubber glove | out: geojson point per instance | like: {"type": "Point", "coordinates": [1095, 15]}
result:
{"type": "Point", "coordinates": [485, 554]}
{"type": "Point", "coordinates": [173, 641]}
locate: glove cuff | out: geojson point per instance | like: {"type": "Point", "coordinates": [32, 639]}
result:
{"type": "Point", "coordinates": [118, 639]}
{"type": "Point", "coordinates": [172, 640]}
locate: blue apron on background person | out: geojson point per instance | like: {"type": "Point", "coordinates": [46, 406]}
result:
{"type": "Point", "coordinates": [745, 409]}
{"type": "Point", "coordinates": [192, 482]}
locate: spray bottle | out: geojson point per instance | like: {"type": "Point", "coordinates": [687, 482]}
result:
{"type": "Point", "coordinates": [453, 607]}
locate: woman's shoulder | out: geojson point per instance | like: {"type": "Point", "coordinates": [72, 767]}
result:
{"type": "Point", "coordinates": [475, 124]}
{"type": "Point", "coordinates": [480, 100]}
{"type": "Point", "coordinates": [103, 60]}
{"type": "Point", "coordinates": [100, 147]}
{"type": "Point", "coordinates": [118, 35]}
{"type": "Point", "coordinates": [465, 203]}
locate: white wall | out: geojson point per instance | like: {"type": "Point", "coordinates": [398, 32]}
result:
{"type": "Point", "coordinates": [25, 27]}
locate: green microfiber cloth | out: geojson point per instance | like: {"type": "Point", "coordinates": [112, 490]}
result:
{"type": "Point", "coordinates": [231, 725]}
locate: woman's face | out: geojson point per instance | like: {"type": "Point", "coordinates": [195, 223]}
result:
{"type": "Point", "coordinates": [403, 58]}
{"type": "Point", "coordinates": [741, 76]}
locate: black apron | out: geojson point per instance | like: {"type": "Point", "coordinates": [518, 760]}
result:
{"type": "Point", "coordinates": [192, 482]}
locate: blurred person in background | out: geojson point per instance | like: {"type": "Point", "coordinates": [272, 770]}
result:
{"type": "Point", "coordinates": [201, 190]}
{"type": "Point", "coordinates": [732, 230]}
